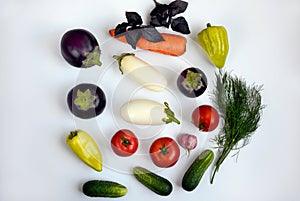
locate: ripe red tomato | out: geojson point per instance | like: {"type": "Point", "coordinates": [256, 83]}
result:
{"type": "Point", "coordinates": [124, 142]}
{"type": "Point", "coordinates": [206, 118]}
{"type": "Point", "coordinates": [164, 152]}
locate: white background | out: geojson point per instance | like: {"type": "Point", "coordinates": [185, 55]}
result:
{"type": "Point", "coordinates": [35, 161]}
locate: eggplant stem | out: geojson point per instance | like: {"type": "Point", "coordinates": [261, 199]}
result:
{"type": "Point", "coordinates": [170, 115]}
{"type": "Point", "coordinates": [92, 58]}
{"type": "Point", "coordinates": [120, 57]}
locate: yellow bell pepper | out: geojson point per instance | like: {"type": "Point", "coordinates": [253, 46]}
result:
{"type": "Point", "coordinates": [214, 41]}
{"type": "Point", "coordinates": [84, 146]}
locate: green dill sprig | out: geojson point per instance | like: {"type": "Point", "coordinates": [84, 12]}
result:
{"type": "Point", "coordinates": [240, 106]}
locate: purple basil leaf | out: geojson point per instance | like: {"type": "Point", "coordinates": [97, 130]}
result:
{"type": "Point", "coordinates": [160, 15]}
{"type": "Point", "coordinates": [180, 25]}
{"type": "Point", "coordinates": [133, 36]}
{"type": "Point", "coordinates": [157, 21]}
{"type": "Point", "coordinates": [177, 7]}
{"type": "Point", "coordinates": [121, 28]}
{"type": "Point", "coordinates": [151, 34]}
{"type": "Point", "coordinates": [133, 18]}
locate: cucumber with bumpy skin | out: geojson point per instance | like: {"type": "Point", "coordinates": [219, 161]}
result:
{"type": "Point", "coordinates": [194, 173]}
{"type": "Point", "coordinates": [154, 182]}
{"type": "Point", "coordinates": [99, 188]}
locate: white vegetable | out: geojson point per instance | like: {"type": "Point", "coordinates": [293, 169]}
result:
{"type": "Point", "coordinates": [147, 112]}
{"type": "Point", "coordinates": [141, 72]}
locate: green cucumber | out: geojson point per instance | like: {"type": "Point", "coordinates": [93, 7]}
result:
{"type": "Point", "coordinates": [99, 188]}
{"type": "Point", "coordinates": [194, 173]}
{"type": "Point", "coordinates": [154, 182]}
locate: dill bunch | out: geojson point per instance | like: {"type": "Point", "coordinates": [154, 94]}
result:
{"type": "Point", "coordinates": [240, 106]}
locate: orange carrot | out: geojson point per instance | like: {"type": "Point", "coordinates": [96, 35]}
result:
{"type": "Point", "coordinates": [174, 45]}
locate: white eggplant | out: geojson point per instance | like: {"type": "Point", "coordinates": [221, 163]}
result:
{"type": "Point", "coordinates": [141, 72]}
{"type": "Point", "coordinates": [147, 112]}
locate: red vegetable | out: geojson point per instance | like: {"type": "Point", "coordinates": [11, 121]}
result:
{"type": "Point", "coordinates": [164, 152]}
{"type": "Point", "coordinates": [124, 143]}
{"type": "Point", "coordinates": [206, 118]}
{"type": "Point", "coordinates": [174, 45]}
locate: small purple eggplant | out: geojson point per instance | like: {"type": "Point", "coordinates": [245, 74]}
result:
{"type": "Point", "coordinates": [80, 48]}
{"type": "Point", "coordinates": [86, 100]}
{"type": "Point", "coordinates": [192, 82]}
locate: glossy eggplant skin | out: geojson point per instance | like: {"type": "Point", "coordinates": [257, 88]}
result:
{"type": "Point", "coordinates": [192, 82]}
{"type": "Point", "coordinates": [76, 46]}
{"type": "Point", "coordinates": [86, 100]}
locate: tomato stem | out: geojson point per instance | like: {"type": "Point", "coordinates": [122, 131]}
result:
{"type": "Point", "coordinates": [164, 150]}
{"type": "Point", "coordinates": [125, 141]}
{"type": "Point", "coordinates": [201, 126]}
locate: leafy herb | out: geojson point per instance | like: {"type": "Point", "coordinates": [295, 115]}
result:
{"type": "Point", "coordinates": [180, 24]}
{"type": "Point", "coordinates": [162, 15]}
{"type": "Point", "coordinates": [241, 107]}
{"type": "Point", "coordinates": [133, 18]}
{"type": "Point", "coordinates": [134, 30]}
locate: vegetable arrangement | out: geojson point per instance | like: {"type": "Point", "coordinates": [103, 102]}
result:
{"type": "Point", "coordinates": [239, 105]}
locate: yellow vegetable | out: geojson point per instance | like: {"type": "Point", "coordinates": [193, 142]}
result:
{"type": "Point", "coordinates": [84, 146]}
{"type": "Point", "coordinates": [214, 41]}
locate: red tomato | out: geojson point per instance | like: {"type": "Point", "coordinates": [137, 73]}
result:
{"type": "Point", "coordinates": [124, 143]}
{"type": "Point", "coordinates": [206, 118]}
{"type": "Point", "coordinates": [164, 152]}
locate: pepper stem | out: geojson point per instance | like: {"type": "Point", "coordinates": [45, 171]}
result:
{"type": "Point", "coordinates": [72, 134]}
{"type": "Point", "coordinates": [170, 115]}
{"type": "Point", "coordinates": [92, 58]}
{"type": "Point", "coordinates": [208, 25]}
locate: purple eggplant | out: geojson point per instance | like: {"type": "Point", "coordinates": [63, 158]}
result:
{"type": "Point", "coordinates": [86, 100]}
{"type": "Point", "coordinates": [80, 48]}
{"type": "Point", "coordinates": [192, 82]}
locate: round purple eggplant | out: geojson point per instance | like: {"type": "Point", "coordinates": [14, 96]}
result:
{"type": "Point", "coordinates": [192, 82]}
{"type": "Point", "coordinates": [86, 100]}
{"type": "Point", "coordinates": [80, 48]}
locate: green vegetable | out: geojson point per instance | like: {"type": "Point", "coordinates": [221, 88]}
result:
{"type": "Point", "coordinates": [99, 188]}
{"type": "Point", "coordinates": [241, 107]}
{"type": "Point", "coordinates": [154, 182]}
{"type": "Point", "coordinates": [194, 173]}
{"type": "Point", "coordinates": [214, 41]}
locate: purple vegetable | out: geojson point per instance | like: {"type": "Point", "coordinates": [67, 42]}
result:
{"type": "Point", "coordinates": [192, 82]}
{"type": "Point", "coordinates": [86, 100]}
{"type": "Point", "coordinates": [187, 141]}
{"type": "Point", "coordinates": [80, 48]}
